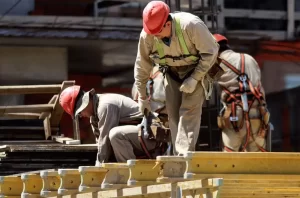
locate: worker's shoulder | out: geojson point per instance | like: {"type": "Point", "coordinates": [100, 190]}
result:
{"type": "Point", "coordinates": [146, 37]}
{"type": "Point", "coordinates": [187, 19]}
{"type": "Point", "coordinates": [231, 56]}
{"type": "Point", "coordinates": [111, 96]}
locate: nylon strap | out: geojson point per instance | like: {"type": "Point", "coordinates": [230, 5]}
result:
{"type": "Point", "coordinates": [185, 51]}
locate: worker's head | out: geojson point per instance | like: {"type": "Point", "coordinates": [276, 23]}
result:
{"type": "Point", "coordinates": [222, 41]}
{"type": "Point", "coordinates": [157, 20]}
{"type": "Point", "coordinates": [76, 102]}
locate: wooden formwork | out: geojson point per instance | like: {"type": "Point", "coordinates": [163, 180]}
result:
{"type": "Point", "coordinates": [50, 113]}
{"type": "Point", "coordinates": [196, 174]}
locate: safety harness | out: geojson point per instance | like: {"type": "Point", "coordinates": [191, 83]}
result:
{"type": "Point", "coordinates": [165, 68]}
{"type": "Point", "coordinates": [244, 97]}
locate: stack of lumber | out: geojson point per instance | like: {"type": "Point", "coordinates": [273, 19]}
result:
{"type": "Point", "coordinates": [24, 156]}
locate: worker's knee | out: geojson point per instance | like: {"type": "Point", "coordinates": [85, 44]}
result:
{"type": "Point", "coordinates": [115, 134]}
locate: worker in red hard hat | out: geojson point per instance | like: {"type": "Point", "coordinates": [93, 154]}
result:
{"type": "Point", "coordinates": [106, 112]}
{"type": "Point", "coordinates": [244, 120]}
{"type": "Point", "coordinates": [185, 50]}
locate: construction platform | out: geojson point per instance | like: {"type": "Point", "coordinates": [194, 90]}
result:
{"type": "Point", "coordinates": [196, 174]}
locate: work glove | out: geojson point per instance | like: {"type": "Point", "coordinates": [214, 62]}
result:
{"type": "Point", "coordinates": [188, 85]}
{"type": "Point", "coordinates": [144, 104]}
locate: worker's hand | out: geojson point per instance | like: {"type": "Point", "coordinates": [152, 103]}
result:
{"type": "Point", "coordinates": [144, 104]}
{"type": "Point", "coordinates": [188, 85]}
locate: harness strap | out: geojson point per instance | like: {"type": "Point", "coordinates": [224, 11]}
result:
{"type": "Point", "coordinates": [228, 149]}
{"type": "Point", "coordinates": [148, 152]}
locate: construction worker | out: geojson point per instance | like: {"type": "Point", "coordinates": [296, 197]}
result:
{"type": "Point", "coordinates": [244, 120]}
{"type": "Point", "coordinates": [106, 113]}
{"type": "Point", "coordinates": [185, 50]}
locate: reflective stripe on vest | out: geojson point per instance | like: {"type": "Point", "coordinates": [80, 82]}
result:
{"type": "Point", "coordinates": [160, 50]}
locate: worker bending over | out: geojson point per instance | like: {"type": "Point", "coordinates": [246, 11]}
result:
{"type": "Point", "coordinates": [106, 113]}
{"type": "Point", "coordinates": [244, 120]}
{"type": "Point", "coordinates": [185, 50]}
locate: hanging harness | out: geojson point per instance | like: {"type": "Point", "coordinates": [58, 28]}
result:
{"type": "Point", "coordinates": [244, 97]}
{"type": "Point", "coordinates": [165, 68]}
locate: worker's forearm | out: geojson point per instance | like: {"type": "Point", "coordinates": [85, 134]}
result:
{"type": "Point", "coordinates": [142, 67]}
{"type": "Point", "coordinates": [206, 45]}
{"type": "Point", "coordinates": [204, 66]}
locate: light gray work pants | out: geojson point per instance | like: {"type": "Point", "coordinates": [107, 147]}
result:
{"type": "Point", "coordinates": [125, 143]}
{"type": "Point", "coordinates": [184, 111]}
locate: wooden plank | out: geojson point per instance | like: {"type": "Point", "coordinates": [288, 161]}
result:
{"type": "Point", "coordinates": [26, 108]}
{"type": "Point", "coordinates": [91, 178]}
{"type": "Point", "coordinates": [241, 163]}
{"type": "Point", "coordinates": [255, 177]}
{"type": "Point", "coordinates": [21, 115]}
{"type": "Point", "coordinates": [30, 89]}
{"type": "Point", "coordinates": [52, 101]}
{"type": "Point", "coordinates": [47, 127]}
{"type": "Point", "coordinates": [70, 181]}
{"type": "Point", "coordinates": [33, 128]}
{"type": "Point", "coordinates": [51, 147]}
{"type": "Point", "coordinates": [65, 140]}
{"type": "Point", "coordinates": [58, 111]}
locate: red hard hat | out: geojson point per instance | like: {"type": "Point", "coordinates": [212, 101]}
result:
{"type": "Point", "coordinates": [220, 37]}
{"type": "Point", "coordinates": [155, 15]}
{"type": "Point", "coordinates": [68, 97]}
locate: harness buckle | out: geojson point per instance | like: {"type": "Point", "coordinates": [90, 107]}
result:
{"type": "Point", "coordinates": [234, 119]}
{"type": "Point", "coordinates": [163, 69]}
{"type": "Point", "coordinates": [243, 78]}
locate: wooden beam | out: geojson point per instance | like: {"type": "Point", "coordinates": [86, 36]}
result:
{"type": "Point", "coordinates": [52, 101]}
{"type": "Point", "coordinates": [218, 163]}
{"type": "Point", "coordinates": [30, 89]}
{"type": "Point", "coordinates": [26, 108]}
{"type": "Point", "coordinates": [26, 128]}
{"type": "Point", "coordinates": [47, 127]}
{"type": "Point", "coordinates": [21, 115]}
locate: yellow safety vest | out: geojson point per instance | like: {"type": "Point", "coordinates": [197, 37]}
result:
{"type": "Point", "coordinates": [186, 53]}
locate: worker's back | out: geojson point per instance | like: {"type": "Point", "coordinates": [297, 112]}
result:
{"type": "Point", "coordinates": [229, 78]}
{"type": "Point", "coordinates": [126, 106]}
